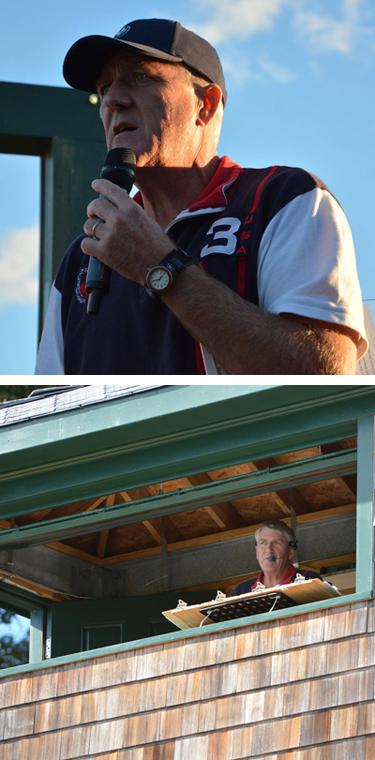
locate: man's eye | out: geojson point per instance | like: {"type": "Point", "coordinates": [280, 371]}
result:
{"type": "Point", "coordinates": [141, 77]}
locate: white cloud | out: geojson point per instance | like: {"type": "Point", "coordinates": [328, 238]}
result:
{"type": "Point", "coordinates": [319, 27]}
{"type": "Point", "coordinates": [262, 68]}
{"type": "Point", "coordinates": [334, 31]}
{"type": "Point", "coordinates": [325, 33]}
{"type": "Point", "coordinates": [19, 256]}
{"type": "Point", "coordinates": [238, 19]}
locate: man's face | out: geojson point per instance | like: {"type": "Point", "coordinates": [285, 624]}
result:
{"type": "Point", "coordinates": [151, 107]}
{"type": "Point", "coordinates": [273, 551]}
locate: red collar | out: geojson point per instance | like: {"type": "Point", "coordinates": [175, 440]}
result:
{"type": "Point", "coordinates": [287, 577]}
{"type": "Point", "coordinates": [214, 194]}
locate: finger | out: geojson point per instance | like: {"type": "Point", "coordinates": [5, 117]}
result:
{"type": "Point", "coordinates": [92, 228]}
{"type": "Point", "coordinates": [89, 246]}
{"type": "Point", "coordinates": [115, 193]}
{"type": "Point", "coordinates": [101, 208]}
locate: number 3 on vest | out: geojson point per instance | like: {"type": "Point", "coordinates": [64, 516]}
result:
{"type": "Point", "coordinates": [222, 230]}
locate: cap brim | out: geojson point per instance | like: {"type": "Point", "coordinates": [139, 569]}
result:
{"type": "Point", "coordinates": [85, 60]}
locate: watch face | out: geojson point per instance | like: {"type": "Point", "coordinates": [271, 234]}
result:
{"type": "Point", "coordinates": [159, 279]}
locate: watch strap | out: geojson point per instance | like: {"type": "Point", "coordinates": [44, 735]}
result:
{"type": "Point", "coordinates": [176, 260]}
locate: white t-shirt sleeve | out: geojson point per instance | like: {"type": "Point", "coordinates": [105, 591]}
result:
{"type": "Point", "coordinates": [307, 266]}
{"type": "Point", "coordinates": [50, 359]}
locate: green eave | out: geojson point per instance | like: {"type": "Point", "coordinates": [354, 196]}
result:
{"type": "Point", "coordinates": [51, 112]}
{"type": "Point", "coordinates": [165, 433]}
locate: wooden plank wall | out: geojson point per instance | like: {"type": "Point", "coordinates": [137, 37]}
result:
{"type": "Point", "coordinates": [300, 688]}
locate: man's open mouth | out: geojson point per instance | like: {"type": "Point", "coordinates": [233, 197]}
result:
{"type": "Point", "coordinates": [123, 128]}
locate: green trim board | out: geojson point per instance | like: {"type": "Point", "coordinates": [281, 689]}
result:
{"type": "Point", "coordinates": [365, 504]}
{"type": "Point", "coordinates": [36, 645]}
{"type": "Point", "coordinates": [170, 412]}
{"type": "Point", "coordinates": [21, 603]}
{"type": "Point", "coordinates": [284, 476]}
{"type": "Point", "coordinates": [51, 112]}
{"type": "Point", "coordinates": [163, 434]}
{"type": "Point", "coordinates": [139, 416]}
{"type": "Point", "coordinates": [19, 599]}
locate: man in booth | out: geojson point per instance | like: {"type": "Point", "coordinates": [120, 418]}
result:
{"type": "Point", "coordinates": [275, 545]}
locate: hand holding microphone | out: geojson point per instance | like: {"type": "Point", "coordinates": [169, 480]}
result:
{"type": "Point", "coordinates": [119, 168]}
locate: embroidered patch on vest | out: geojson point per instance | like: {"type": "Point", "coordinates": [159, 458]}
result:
{"type": "Point", "coordinates": [80, 288]}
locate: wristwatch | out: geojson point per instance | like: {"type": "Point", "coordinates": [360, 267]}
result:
{"type": "Point", "coordinates": [161, 277]}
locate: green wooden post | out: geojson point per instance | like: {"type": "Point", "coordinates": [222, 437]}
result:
{"type": "Point", "coordinates": [63, 127]}
{"type": "Point", "coordinates": [36, 635]}
{"type": "Point", "coordinates": [68, 169]}
{"type": "Point", "coordinates": [365, 505]}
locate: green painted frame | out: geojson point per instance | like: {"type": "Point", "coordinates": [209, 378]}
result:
{"type": "Point", "coordinates": [365, 550]}
{"type": "Point", "coordinates": [63, 128]}
{"type": "Point", "coordinates": [165, 434]}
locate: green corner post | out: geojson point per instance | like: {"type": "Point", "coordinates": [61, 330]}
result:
{"type": "Point", "coordinates": [63, 127]}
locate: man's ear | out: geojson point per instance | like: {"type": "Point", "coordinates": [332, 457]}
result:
{"type": "Point", "coordinates": [210, 100]}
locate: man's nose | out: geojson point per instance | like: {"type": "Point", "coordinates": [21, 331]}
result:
{"type": "Point", "coordinates": [270, 547]}
{"type": "Point", "coordinates": [117, 97]}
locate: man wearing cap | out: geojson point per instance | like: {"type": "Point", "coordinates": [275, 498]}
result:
{"type": "Point", "coordinates": [214, 268]}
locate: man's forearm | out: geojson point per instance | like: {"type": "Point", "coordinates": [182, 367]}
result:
{"type": "Point", "coordinates": [244, 339]}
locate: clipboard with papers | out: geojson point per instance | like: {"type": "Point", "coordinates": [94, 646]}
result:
{"type": "Point", "coordinates": [252, 603]}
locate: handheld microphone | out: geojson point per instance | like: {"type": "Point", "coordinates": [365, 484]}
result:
{"type": "Point", "coordinates": [119, 167]}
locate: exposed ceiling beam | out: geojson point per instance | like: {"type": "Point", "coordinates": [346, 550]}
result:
{"type": "Point", "coordinates": [184, 544]}
{"type": "Point", "coordinates": [296, 473]}
{"type": "Point", "coordinates": [225, 515]}
{"type": "Point", "coordinates": [228, 536]}
{"type": "Point", "coordinates": [290, 497]}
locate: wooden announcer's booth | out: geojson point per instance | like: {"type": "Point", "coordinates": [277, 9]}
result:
{"type": "Point", "coordinates": [118, 501]}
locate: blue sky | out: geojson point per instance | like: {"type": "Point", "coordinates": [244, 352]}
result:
{"type": "Point", "coordinates": [300, 74]}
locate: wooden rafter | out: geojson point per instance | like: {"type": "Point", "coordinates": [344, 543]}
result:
{"type": "Point", "coordinates": [164, 525]}
{"type": "Point", "coordinates": [349, 480]}
{"type": "Point", "coordinates": [289, 497]}
{"type": "Point", "coordinates": [104, 534]}
{"type": "Point", "coordinates": [229, 535]}
{"type": "Point", "coordinates": [225, 515]}
{"type": "Point", "coordinates": [35, 588]}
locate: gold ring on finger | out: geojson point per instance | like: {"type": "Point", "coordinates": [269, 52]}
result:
{"type": "Point", "coordinates": [98, 221]}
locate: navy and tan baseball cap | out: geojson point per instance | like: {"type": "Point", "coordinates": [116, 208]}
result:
{"type": "Point", "coordinates": [158, 38]}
